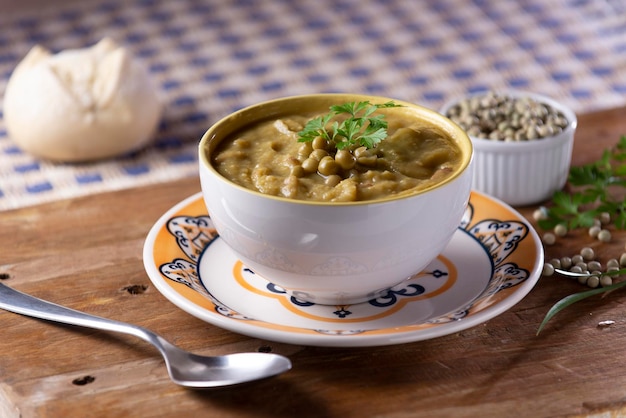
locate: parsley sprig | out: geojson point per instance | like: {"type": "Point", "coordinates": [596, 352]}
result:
{"type": "Point", "coordinates": [360, 127]}
{"type": "Point", "coordinates": [596, 187]}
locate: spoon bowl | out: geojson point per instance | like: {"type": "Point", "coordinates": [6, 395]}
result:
{"type": "Point", "coordinates": [186, 369]}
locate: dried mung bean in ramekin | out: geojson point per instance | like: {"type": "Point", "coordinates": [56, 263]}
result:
{"type": "Point", "coordinates": [499, 117]}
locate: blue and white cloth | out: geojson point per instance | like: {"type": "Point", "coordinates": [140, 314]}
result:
{"type": "Point", "coordinates": [213, 57]}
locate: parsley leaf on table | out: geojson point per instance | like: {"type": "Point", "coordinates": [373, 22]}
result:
{"type": "Point", "coordinates": [595, 188]}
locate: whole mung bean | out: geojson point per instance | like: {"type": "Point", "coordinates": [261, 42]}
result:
{"type": "Point", "coordinates": [560, 230]}
{"type": "Point", "coordinates": [593, 281]}
{"type": "Point", "coordinates": [549, 238]}
{"type": "Point", "coordinates": [540, 213]}
{"type": "Point", "coordinates": [604, 235]}
{"type": "Point", "coordinates": [594, 231]}
{"type": "Point", "coordinates": [566, 262]}
{"type": "Point", "coordinates": [612, 263]}
{"type": "Point", "coordinates": [587, 253]}
{"type": "Point", "coordinates": [548, 269]}
{"type": "Point", "coordinates": [606, 280]}
{"type": "Point", "coordinates": [605, 218]}
{"type": "Point", "coordinates": [499, 117]}
{"type": "Point", "coordinates": [594, 265]}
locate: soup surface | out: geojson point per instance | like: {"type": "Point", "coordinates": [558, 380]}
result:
{"type": "Point", "coordinates": [268, 158]}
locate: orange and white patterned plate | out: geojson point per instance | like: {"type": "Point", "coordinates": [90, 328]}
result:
{"type": "Point", "coordinates": [493, 261]}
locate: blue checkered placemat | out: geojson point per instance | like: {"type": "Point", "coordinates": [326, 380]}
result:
{"type": "Point", "coordinates": [213, 57]}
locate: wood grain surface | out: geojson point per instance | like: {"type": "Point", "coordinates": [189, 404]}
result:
{"type": "Point", "coordinates": [86, 253]}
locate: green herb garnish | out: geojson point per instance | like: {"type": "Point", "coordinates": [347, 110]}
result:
{"type": "Point", "coordinates": [359, 129]}
{"type": "Point", "coordinates": [595, 189]}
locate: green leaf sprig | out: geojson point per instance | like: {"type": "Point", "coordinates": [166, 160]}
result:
{"type": "Point", "coordinates": [596, 187]}
{"type": "Point", "coordinates": [576, 297]}
{"type": "Point", "coordinates": [359, 127]}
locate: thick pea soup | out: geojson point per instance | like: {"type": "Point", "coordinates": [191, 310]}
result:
{"type": "Point", "coordinates": [267, 157]}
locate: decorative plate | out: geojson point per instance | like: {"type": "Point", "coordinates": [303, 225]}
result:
{"type": "Point", "coordinates": [493, 261]}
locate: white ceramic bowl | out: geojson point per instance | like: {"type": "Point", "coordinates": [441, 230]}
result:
{"type": "Point", "coordinates": [523, 172]}
{"type": "Point", "coordinates": [333, 253]}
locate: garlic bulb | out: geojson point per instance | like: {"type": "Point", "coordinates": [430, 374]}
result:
{"type": "Point", "coordinates": [81, 104]}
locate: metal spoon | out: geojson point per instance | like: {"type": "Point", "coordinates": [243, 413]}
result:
{"type": "Point", "coordinates": [184, 368]}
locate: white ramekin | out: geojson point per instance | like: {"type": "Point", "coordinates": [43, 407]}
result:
{"type": "Point", "coordinates": [522, 172]}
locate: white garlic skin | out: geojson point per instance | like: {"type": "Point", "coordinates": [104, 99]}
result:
{"type": "Point", "coordinates": [81, 104]}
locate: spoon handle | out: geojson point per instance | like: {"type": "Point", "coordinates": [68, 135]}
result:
{"type": "Point", "coordinates": [21, 303]}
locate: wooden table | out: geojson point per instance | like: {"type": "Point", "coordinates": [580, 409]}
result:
{"type": "Point", "coordinates": [86, 253]}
